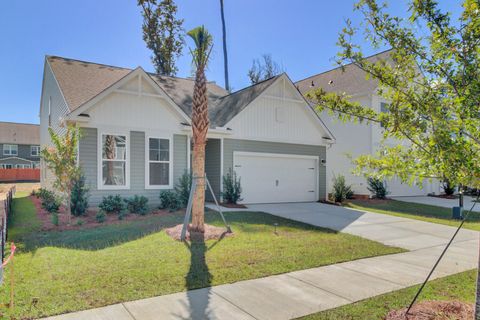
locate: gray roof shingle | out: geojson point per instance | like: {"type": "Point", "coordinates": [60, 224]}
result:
{"type": "Point", "coordinates": [19, 133]}
{"type": "Point", "coordinates": [81, 81]}
{"type": "Point", "coordinates": [352, 80]}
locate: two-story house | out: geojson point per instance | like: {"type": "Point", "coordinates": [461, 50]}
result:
{"type": "Point", "coordinates": [19, 145]}
{"type": "Point", "coordinates": [355, 139]}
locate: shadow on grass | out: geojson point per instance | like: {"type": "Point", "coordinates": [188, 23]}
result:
{"type": "Point", "coordinates": [25, 228]}
{"type": "Point", "coordinates": [198, 280]}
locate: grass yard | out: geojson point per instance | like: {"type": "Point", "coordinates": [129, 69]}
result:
{"type": "Point", "coordinates": [460, 287]}
{"type": "Point", "coordinates": [80, 269]}
{"type": "Point", "coordinates": [416, 211]}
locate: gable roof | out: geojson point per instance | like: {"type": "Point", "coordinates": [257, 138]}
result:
{"type": "Point", "coordinates": [19, 133]}
{"type": "Point", "coordinates": [227, 107]}
{"type": "Point", "coordinates": [351, 80]}
{"type": "Point", "coordinates": [81, 81]}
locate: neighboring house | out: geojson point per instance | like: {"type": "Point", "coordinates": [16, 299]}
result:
{"type": "Point", "coordinates": [354, 139]}
{"type": "Point", "coordinates": [136, 132]}
{"type": "Point", "coordinates": [19, 145]}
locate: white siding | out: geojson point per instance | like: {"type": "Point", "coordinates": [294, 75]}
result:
{"type": "Point", "coordinates": [134, 111]}
{"type": "Point", "coordinates": [52, 95]}
{"type": "Point", "coordinates": [273, 117]}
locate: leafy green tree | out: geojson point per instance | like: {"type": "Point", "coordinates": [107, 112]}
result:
{"type": "Point", "coordinates": [163, 34]}
{"type": "Point", "coordinates": [61, 159]}
{"type": "Point", "coordinates": [432, 82]}
{"type": "Point", "coordinates": [263, 69]}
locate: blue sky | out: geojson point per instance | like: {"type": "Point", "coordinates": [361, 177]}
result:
{"type": "Point", "coordinates": [300, 35]}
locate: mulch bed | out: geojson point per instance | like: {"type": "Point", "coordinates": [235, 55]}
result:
{"type": "Point", "coordinates": [434, 310]}
{"type": "Point", "coordinates": [88, 220]}
{"type": "Point", "coordinates": [443, 196]}
{"type": "Point", "coordinates": [211, 232]}
{"type": "Point", "coordinates": [231, 205]}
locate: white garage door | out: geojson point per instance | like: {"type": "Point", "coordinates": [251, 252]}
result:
{"type": "Point", "coordinates": [269, 178]}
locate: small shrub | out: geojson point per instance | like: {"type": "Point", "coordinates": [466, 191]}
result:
{"type": "Point", "coordinates": [232, 188]}
{"type": "Point", "coordinates": [137, 204]}
{"type": "Point", "coordinates": [101, 216]}
{"type": "Point", "coordinates": [80, 222]}
{"type": "Point", "coordinates": [112, 204]}
{"type": "Point", "coordinates": [448, 188]}
{"type": "Point", "coordinates": [33, 193]}
{"type": "Point", "coordinates": [50, 201]}
{"type": "Point", "coordinates": [169, 200]}
{"type": "Point", "coordinates": [42, 192]}
{"type": "Point", "coordinates": [182, 188]}
{"type": "Point", "coordinates": [79, 197]}
{"type": "Point", "coordinates": [55, 218]}
{"type": "Point", "coordinates": [122, 215]}
{"type": "Point", "coordinates": [377, 187]}
{"type": "Point", "coordinates": [341, 191]}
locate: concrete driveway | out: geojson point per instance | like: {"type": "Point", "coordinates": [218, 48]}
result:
{"type": "Point", "coordinates": [295, 294]}
{"type": "Point", "coordinates": [441, 202]}
{"type": "Point", "coordinates": [395, 231]}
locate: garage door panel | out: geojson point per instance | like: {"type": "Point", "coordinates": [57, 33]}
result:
{"type": "Point", "coordinates": [272, 178]}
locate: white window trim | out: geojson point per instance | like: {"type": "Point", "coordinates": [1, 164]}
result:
{"type": "Point", "coordinates": [33, 148]}
{"type": "Point", "coordinates": [100, 185]}
{"type": "Point", "coordinates": [10, 150]}
{"type": "Point", "coordinates": [147, 162]}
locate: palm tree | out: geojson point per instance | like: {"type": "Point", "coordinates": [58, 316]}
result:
{"type": "Point", "coordinates": [225, 58]}
{"type": "Point", "coordinates": [200, 122]}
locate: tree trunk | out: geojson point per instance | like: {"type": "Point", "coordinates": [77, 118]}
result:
{"type": "Point", "coordinates": [198, 208]}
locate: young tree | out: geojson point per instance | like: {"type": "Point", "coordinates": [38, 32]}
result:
{"type": "Point", "coordinates": [163, 34]}
{"type": "Point", "coordinates": [263, 70]}
{"type": "Point", "coordinates": [225, 57]}
{"type": "Point", "coordinates": [432, 83]}
{"type": "Point", "coordinates": [61, 158]}
{"type": "Point", "coordinates": [200, 122]}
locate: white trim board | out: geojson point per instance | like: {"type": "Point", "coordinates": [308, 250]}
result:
{"type": "Point", "coordinates": [148, 186]}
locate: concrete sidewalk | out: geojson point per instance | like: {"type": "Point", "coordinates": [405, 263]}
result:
{"type": "Point", "coordinates": [304, 292]}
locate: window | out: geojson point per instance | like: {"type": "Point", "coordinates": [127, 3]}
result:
{"type": "Point", "coordinates": [6, 166]}
{"type": "Point", "coordinates": [114, 161]}
{"type": "Point", "coordinates": [35, 151]}
{"type": "Point", "coordinates": [383, 108]}
{"type": "Point", "coordinates": [158, 162]}
{"type": "Point", "coordinates": [23, 166]}
{"type": "Point", "coordinates": [10, 149]}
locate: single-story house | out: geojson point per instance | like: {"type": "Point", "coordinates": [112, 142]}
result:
{"type": "Point", "coordinates": [355, 139]}
{"type": "Point", "coordinates": [136, 132]}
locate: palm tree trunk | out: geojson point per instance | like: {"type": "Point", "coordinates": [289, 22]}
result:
{"type": "Point", "coordinates": [225, 58]}
{"type": "Point", "coordinates": [198, 208]}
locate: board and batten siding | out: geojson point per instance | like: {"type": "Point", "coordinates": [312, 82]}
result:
{"type": "Point", "coordinates": [232, 145]}
{"type": "Point", "coordinates": [212, 167]}
{"type": "Point", "coordinates": [88, 149]}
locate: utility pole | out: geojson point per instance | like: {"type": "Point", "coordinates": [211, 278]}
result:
{"type": "Point", "coordinates": [225, 58]}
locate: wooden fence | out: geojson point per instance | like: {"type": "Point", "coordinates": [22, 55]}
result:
{"type": "Point", "coordinates": [11, 175]}
{"type": "Point", "coordinates": [6, 198]}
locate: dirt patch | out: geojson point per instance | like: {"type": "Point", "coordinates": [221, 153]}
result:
{"type": "Point", "coordinates": [211, 232]}
{"type": "Point", "coordinates": [21, 186]}
{"type": "Point", "coordinates": [330, 203]}
{"type": "Point", "coordinates": [434, 310]}
{"type": "Point", "coordinates": [86, 221]}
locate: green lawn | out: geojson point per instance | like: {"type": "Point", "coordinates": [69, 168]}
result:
{"type": "Point", "coordinates": [459, 287]}
{"type": "Point", "coordinates": [416, 211]}
{"type": "Point", "coordinates": [75, 270]}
